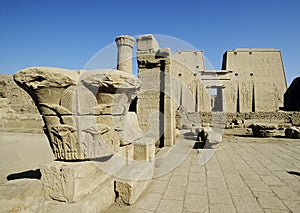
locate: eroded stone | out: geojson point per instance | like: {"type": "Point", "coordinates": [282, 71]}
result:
{"type": "Point", "coordinates": [69, 182]}
{"type": "Point", "coordinates": [82, 111]}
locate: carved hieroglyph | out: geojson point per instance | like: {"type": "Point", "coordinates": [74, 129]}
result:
{"type": "Point", "coordinates": [83, 111]}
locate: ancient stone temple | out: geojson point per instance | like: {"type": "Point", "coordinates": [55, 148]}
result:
{"type": "Point", "coordinates": [257, 80]}
{"type": "Point", "coordinates": [242, 85]}
{"type": "Point", "coordinates": [170, 80]}
{"type": "Point", "coordinates": [112, 132]}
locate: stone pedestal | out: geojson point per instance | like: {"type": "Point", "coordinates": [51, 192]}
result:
{"type": "Point", "coordinates": [144, 149]}
{"type": "Point", "coordinates": [71, 181]}
{"type": "Point", "coordinates": [135, 178]}
{"type": "Point", "coordinates": [97, 201]}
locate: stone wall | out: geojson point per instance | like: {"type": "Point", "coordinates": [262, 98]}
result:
{"type": "Point", "coordinates": [17, 110]}
{"type": "Point", "coordinates": [268, 117]}
{"type": "Point", "coordinates": [258, 79]}
{"type": "Point", "coordinates": [17, 99]}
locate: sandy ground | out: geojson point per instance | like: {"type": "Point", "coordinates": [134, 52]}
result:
{"type": "Point", "coordinates": [21, 152]}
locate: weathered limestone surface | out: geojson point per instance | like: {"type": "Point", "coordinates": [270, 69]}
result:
{"type": "Point", "coordinates": [257, 81]}
{"type": "Point", "coordinates": [144, 149]}
{"type": "Point", "coordinates": [156, 107]}
{"type": "Point", "coordinates": [17, 110]}
{"type": "Point", "coordinates": [134, 180]}
{"type": "Point", "coordinates": [14, 97]}
{"type": "Point", "coordinates": [97, 201]}
{"type": "Point", "coordinates": [71, 181]}
{"type": "Point", "coordinates": [22, 196]}
{"type": "Point", "coordinates": [147, 43]}
{"type": "Point", "coordinates": [189, 90]}
{"type": "Point", "coordinates": [83, 111]}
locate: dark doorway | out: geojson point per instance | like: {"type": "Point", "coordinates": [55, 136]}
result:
{"type": "Point", "coordinates": [217, 99]}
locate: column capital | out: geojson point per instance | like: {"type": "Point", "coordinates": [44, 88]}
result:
{"type": "Point", "coordinates": [124, 40]}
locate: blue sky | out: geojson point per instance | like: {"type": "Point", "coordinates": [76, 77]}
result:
{"type": "Point", "coordinates": [67, 33]}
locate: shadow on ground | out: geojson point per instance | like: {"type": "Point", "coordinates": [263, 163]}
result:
{"type": "Point", "coordinates": [189, 136]}
{"type": "Point", "coordinates": [199, 145]}
{"type": "Point", "coordinates": [30, 174]}
{"type": "Point", "coordinates": [294, 173]}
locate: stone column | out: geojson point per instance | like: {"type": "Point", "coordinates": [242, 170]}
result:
{"type": "Point", "coordinates": [125, 44]}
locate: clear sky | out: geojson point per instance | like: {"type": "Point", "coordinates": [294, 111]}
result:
{"type": "Point", "coordinates": [67, 33]}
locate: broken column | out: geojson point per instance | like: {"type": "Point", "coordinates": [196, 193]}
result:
{"type": "Point", "coordinates": [83, 112]}
{"type": "Point", "coordinates": [125, 44]}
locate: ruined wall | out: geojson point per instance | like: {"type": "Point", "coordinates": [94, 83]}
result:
{"type": "Point", "coordinates": [17, 99]}
{"type": "Point", "coordinates": [156, 108]}
{"type": "Point", "coordinates": [17, 110]}
{"type": "Point", "coordinates": [258, 81]}
{"type": "Point", "coordinates": [268, 117]}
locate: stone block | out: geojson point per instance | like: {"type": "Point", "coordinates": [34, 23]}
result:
{"type": "Point", "coordinates": [144, 149]}
{"type": "Point", "coordinates": [126, 151]}
{"type": "Point", "coordinates": [97, 201]}
{"type": "Point", "coordinates": [147, 43]}
{"type": "Point", "coordinates": [134, 179]}
{"type": "Point", "coordinates": [25, 195]}
{"type": "Point", "coordinates": [69, 182]}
